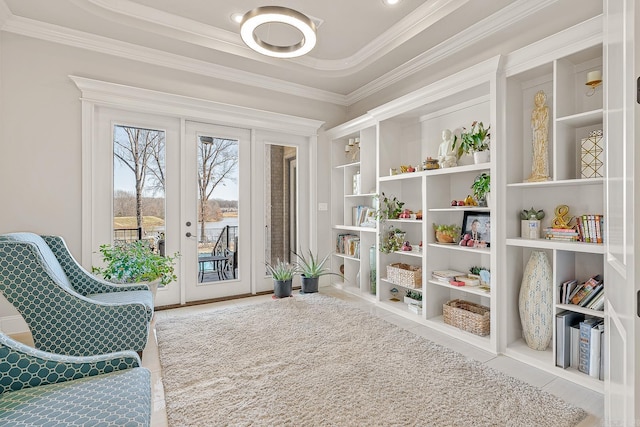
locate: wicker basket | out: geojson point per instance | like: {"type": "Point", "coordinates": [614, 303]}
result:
{"type": "Point", "coordinates": [467, 316]}
{"type": "Point", "coordinates": [405, 275]}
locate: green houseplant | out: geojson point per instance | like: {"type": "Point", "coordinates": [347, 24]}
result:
{"type": "Point", "coordinates": [282, 273]}
{"type": "Point", "coordinates": [481, 187]}
{"type": "Point", "coordinates": [311, 268]}
{"type": "Point", "coordinates": [388, 208]}
{"type": "Point", "coordinates": [135, 262]}
{"type": "Point", "coordinates": [475, 140]}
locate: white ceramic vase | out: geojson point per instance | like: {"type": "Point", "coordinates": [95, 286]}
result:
{"type": "Point", "coordinates": [536, 302]}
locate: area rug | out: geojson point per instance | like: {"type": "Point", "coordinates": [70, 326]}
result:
{"type": "Point", "coordinates": [314, 360]}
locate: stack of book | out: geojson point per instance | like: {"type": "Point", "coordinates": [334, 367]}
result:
{"type": "Point", "coordinates": [589, 294]}
{"type": "Point", "coordinates": [446, 276]}
{"type": "Point", "coordinates": [564, 234]}
{"type": "Point", "coordinates": [580, 343]}
{"type": "Point", "coordinates": [590, 228]}
{"type": "Point", "coordinates": [348, 244]}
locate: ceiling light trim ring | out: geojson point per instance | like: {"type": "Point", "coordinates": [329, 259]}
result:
{"type": "Point", "coordinates": [277, 14]}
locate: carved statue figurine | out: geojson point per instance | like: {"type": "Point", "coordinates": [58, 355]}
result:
{"type": "Point", "coordinates": [540, 128]}
{"type": "Point", "coordinates": [446, 156]}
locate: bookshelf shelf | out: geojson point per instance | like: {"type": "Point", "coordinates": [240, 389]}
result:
{"type": "Point", "coordinates": [558, 183]}
{"type": "Point", "coordinates": [454, 247]}
{"type": "Point", "coordinates": [352, 228]}
{"type": "Point", "coordinates": [467, 289]}
{"type": "Point", "coordinates": [583, 310]}
{"type": "Point", "coordinates": [348, 165]}
{"type": "Point", "coordinates": [414, 253]}
{"type": "Point", "coordinates": [591, 248]}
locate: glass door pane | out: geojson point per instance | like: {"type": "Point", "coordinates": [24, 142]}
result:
{"type": "Point", "coordinates": [217, 208]}
{"type": "Point", "coordinates": [139, 186]}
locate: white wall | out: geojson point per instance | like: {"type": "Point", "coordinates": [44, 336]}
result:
{"type": "Point", "coordinates": [40, 140]}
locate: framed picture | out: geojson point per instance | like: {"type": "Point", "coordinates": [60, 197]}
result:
{"type": "Point", "coordinates": [476, 230]}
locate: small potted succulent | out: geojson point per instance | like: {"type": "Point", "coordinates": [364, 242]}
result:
{"type": "Point", "coordinates": [135, 262]}
{"type": "Point", "coordinates": [413, 297]}
{"type": "Point", "coordinates": [530, 223]}
{"type": "Point", "coordinates": [282, 273]}
{"type": "Point", "coordinates": [447, 233]}
{"type": "Point", "coordinates": [311, 268]}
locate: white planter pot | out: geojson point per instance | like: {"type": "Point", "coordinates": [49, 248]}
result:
{"type": "Point", "coordinates": [530, 229]}
{"type": "Point", "coordinates": [481, 157]}
{"type": "Point", "coordinates": [412, 301]}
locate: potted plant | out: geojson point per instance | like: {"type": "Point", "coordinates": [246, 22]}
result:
{"type": "Point", "coordinates": [389, 208]}
{"type": "Point", "coordinates": [413, 297]}
{"type": "Point", "coordinates": [447, 233]}
{"type": "Point", "coordinates": [475, 141]}
{"type": "Point", "coordinates": [481, 187]}
{"type": "Point", "coordinates": [392, 240]}
{"type": "Point", "coordinates": [310, 269]}
{"type": "Point", "coordinates": [530, 223]}
{"type": "Point", "coordinates": [282, 273]}
{"type": "Point", "coordinates": [135, 262]}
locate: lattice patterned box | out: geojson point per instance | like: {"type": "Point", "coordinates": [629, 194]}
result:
{"type": "Point", "coordinates": [592, 155]}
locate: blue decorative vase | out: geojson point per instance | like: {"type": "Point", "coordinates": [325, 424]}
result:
{"type": "Point", "coordinates": [536, 302]}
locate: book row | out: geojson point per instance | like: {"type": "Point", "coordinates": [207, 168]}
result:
{"type": "Point", "coordinates": [580, 343]}
{"type": "Point", "coordinates": [588, 228]}
{"type": "Point", "coordinates": [348, 244]}
{"type": "Point", "coordinates": [588, 294]}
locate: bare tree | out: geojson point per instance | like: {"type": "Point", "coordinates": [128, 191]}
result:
{"type": "Point", "coordinates": [156, 168]}
{"type": "Point", "coordinates": [135, 153]}
{"type": "Point", "coordinates": [217, 159]}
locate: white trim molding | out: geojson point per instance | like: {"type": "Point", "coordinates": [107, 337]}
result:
{"type": "Point", "coordinates": [150, 101]}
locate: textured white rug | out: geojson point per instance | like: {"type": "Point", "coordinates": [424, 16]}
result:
{"type": "Point", "coordinates": [314, 360]}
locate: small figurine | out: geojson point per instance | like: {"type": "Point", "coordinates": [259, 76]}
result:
{"type": "Point", "coordinates": [446, 156]}
{"type": "Point", "coordinates": [406, 246]}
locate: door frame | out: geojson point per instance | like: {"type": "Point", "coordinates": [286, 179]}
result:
{"type": "Point", "coordinates": [97, 93]}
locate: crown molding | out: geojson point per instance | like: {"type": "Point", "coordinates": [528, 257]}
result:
{"type": "Point", "coordinates": [478, 74]}
{"type": "Point", "coordinates": [497, 22]}
{"type": "Point", "coordinates": [351, 127]}
{"type": "Point", "coordinates": [201, 34]}
{"type": "Point", "coordinates": [151, 101]}
{"type": "Point", "coordinates": [79, 39]}
{"type": "Point", "coordinates": [581, 36]}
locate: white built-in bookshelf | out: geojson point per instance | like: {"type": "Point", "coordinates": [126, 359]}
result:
{"type": "Point", "coordinates": [408, 130]}
{"type": "Point", "coordinates": [575, 111]}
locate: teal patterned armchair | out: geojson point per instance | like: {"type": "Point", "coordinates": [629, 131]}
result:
{"type": "Point", "coordinates": [68, 310]}
{"type": "Point", "coordinates": [44, 389]}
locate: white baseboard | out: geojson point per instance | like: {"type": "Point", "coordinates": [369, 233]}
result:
{"type": "Point", "coordinates": [13, 325]}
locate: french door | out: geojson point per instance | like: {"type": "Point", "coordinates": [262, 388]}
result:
{"type": "Point", "coordinates": [227, 199]}
{"type": "Point", "coordinates": [216, 209]}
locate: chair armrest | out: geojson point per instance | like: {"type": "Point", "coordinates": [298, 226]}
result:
{"type": "Point", "coordinates": [84, 282]}
{"type": "Point", "coordinates": [25, 367]}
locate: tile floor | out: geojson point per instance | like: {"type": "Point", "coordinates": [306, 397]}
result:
{"type": "Point", "coordinates": [587, 399]}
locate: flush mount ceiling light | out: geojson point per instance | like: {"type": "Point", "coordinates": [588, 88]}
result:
{"type": "Point", "coordinates": [278, 15]}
